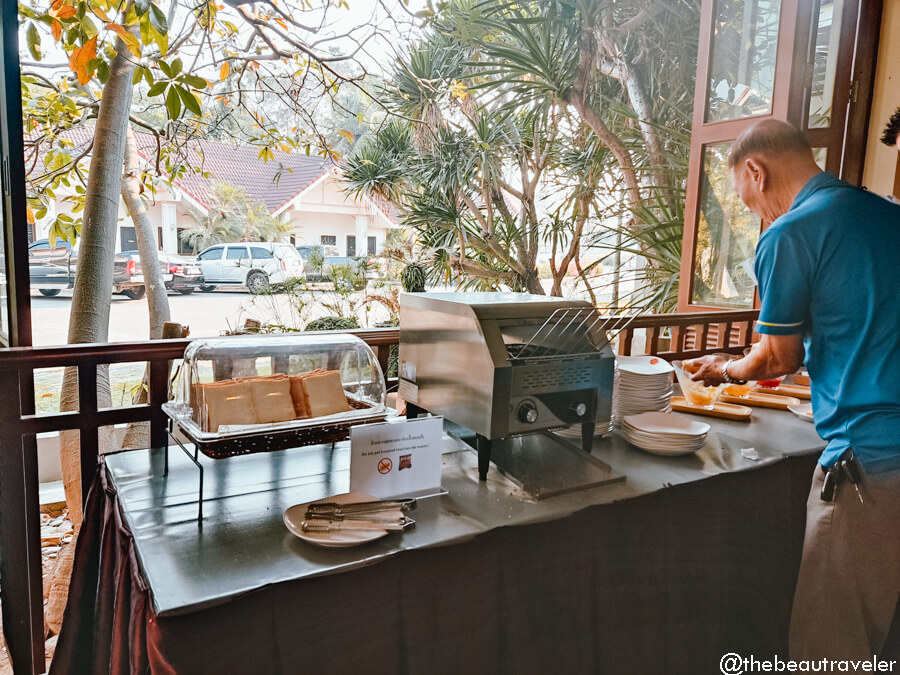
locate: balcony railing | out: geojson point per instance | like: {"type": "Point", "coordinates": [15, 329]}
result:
{"type": "Point", "coordinates": [671, 336]}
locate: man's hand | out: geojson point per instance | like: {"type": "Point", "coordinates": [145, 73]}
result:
{"type": "Point", "coordinates": [710, 369]}
{"type": "Point", "coordinates": [773, 356]}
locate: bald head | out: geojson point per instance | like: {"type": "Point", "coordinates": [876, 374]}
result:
{"type": "Point", "coordinates": [770, 163]}
{"type": "Point", "coordinates": [771, 139]}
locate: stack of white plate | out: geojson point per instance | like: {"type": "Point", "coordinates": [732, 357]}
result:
{"type": "Point", "coordinates": [642, 384]}
{"type": "Point", "coordinates": [665, 433]}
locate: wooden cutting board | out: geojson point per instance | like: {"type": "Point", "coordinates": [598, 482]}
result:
{"type": "Point", "coordinates": [762, 400]}
{"type": "Point", "coordinates": [795, 390]}
{"type": "Point", "coordinates": [738, 413]}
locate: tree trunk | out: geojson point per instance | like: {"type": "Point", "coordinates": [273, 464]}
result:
{"type": "Point", "coordinates": [157, 299]}
{"type": "Point", "coordinates": [617, 267]}
{"type": "Point", "coordinates": [137, 435]}
{"type": "Point", "coordinates": [89, 316]}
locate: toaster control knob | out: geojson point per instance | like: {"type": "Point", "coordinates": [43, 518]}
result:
{"type": "Point", "coordinates": [580, 409]}
{"type": "Point", "coordinates": [527, 413]}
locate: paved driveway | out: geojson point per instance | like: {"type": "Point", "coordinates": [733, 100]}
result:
{"type": "Point", "coordinates": [208, 314]}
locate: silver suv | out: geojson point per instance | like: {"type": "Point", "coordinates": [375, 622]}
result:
{"type": "Point", "coordinates": [256, 265]}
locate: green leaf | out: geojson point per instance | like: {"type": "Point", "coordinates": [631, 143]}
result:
{"type": "Point", "coordinates": [157, 89]}
{"type": "Point", "coordinates": [34, 41]}
{"type": "Point", "coordinates": [173, 103]}
{"type": "Point", "coordinates": [142, 6]}
{"type": "Point", "coordinates": [158, 19]}
{"type": "Point", "coordinates": [103, 72]}
{"type": "Point", "coordinates": [88, 27]}
{"type": "Point", "coordinates": [177, 65]}
{"type": "Point", "coordinates": [163, 66]}
{"type": "Point", "coordinates": [148, 76]}
{"type": "Point", "coordinates": [146, 29]}
{"type": "Point", "coordinates": [137, 75]}
{"type": "Point", "coordinates": [190, 101]}
{"type": "Point", "coordinates": [194, 81]}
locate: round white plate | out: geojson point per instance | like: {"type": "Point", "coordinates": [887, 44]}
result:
{"type": "Point", "coordinates": [654, 444]}
{"type": "Point", "coordinates": [667, 423]}
{"type": "Point", "coordinates": [802, 410]}
{"type": "Point", "coordinates": [664, 450]}
{"type": "Point", "coordinates": [680, 439]}
{"type": "Point", "coordinates": [295, 515]}
{"type": "Point", "coordinates": [643, 365]}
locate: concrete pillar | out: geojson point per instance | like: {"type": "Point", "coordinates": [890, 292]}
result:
{"type": "Point", "coordinates": [362, 233]}
{"type": "Point", "coordinates": [169, 226]}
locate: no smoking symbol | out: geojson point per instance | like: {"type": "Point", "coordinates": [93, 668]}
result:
{"type": "Point", "coordinates": [385, 465]}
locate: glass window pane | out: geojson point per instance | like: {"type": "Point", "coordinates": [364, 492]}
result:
{"type": "Point", "coordinates": [742, 70]}
{"type": "Point", "coordinates": [257, 253]}
{"type": "Point", "coordinates": [828, 35]}
{"type": "Point", "coordinates": [726, 237]}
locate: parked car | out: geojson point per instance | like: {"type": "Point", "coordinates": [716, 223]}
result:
{"type": "Point", "coordinates": [52, 269]}
{"type": "Point", "coordinates": [256, 265]}
{"type": "Point", "coordinates": [182, 275]}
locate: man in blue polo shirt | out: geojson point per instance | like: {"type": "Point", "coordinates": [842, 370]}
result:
{"type": "Point", "coordinates": [828, 268]}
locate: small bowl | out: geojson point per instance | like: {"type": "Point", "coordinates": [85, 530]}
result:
{"type": "Point", "coordinates": [739, 390]}
{"type": "Point", "coordinates": [696, 393]}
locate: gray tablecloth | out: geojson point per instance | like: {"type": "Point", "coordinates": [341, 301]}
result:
{"type": "Point", "coordinates": [689, 558]}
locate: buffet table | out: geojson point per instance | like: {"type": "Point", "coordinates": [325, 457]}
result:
{"type": "Point", "coordinates": [687, 559]}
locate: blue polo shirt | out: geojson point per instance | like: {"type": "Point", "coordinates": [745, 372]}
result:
{"type": "Point", "coordinates": [830, 269]}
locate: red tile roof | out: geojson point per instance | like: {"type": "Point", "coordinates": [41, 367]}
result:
{"type": "Point", "coordinates": [275, 182]}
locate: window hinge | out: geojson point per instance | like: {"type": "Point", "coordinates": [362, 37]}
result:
{"type": "Point", "coordinates": [854, 90]}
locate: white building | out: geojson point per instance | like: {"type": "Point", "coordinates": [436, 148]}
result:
{"type": "Point", "coordinates": [303, 191]}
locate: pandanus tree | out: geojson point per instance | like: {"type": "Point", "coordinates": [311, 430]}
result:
{"type": "Point", "coordinates": [233, 215]}
{"type": "Point", "coordinates": [497, 101]}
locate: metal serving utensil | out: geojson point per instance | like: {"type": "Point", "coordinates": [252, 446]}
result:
{"type": "Point", "coordinates": [317, 525]}
{"type": "Point", "coordinates": [403, 505]}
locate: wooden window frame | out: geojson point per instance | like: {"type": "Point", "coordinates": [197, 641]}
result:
{"type": "Point", "coordinates": [844, 138]}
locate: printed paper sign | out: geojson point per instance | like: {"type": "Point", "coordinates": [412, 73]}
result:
{"type": "Point", "coordinates": [401, 458]}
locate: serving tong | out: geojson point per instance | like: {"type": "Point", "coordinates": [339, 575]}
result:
{"type": "Point", "coordinates": [352, 508]}
{"type": "Point", "coordinates": [386, 514]}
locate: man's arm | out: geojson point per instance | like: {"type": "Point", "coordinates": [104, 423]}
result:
{"type": "Point", "coordinates": [773, 356]}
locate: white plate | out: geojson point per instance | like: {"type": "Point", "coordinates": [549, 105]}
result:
{"type": "Point", "coordinates": [667, 423]}
{"type": "Point", "coordinates": [656, 444]}
{"type": "Point", "coordinates": [802, 410]}
{"type": "Point", "coordinates": [663, 449]}
{"type": "Point", "coordinates": [295, 515]}
{"type": "Point", "coordinates": [674, 438]}
{"type": "Point", "coordinates": [643, 365]}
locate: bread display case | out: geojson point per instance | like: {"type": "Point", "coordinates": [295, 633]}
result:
{"type": "Point", "coordinates": [251, 393]}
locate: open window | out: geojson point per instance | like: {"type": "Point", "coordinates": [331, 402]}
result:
{"type": "Point", "coordinates": [804, 61]}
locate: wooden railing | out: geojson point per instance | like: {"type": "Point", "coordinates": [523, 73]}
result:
{"type": "Point", "coordinates": [686, 336]}
{"type": "Point", "coordinates": [20, 542]}
{"type": "Point", "coordinates": [671, 336]}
